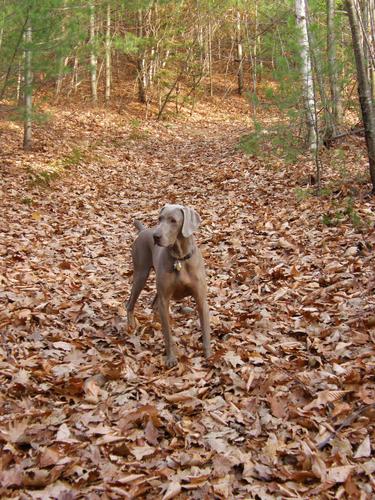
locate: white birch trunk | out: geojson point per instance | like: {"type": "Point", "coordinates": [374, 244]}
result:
{"type": "Point", "coordinates": [239, 52]}
{"type": "Point", "coordinates": [108, 55]}
{"type": "Point", "coordinates": [93, 59]}
{"type": "Point", "coordinates": [19, 83]}
{"type": "Point", "coordinates": [307, 77]}
{"type": "Point", "coordinates": [141, 63]}
{"type": "Point", "coordinates": [28, 90]}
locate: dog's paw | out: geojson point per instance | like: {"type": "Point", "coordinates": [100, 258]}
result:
{"type": "Point", "coordinates": [208, 352]}
{"type": "Point", "coordinates": [131, 324]}
{"type": "Point", "coordinates": [171, 361]}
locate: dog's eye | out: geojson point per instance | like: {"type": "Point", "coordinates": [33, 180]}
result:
{"type": "Point", "coordinates": [173, 221]}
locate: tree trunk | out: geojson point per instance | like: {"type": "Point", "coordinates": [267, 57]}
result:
{"type": "Point", "coordinates": [372, 27]}
{"type": "Point", "coordinates": [63, 61]}
{"type": "Point", "coordinates": [209, 50]}
{"type": "Point", "coordinates": [93, 59]}
{"type": "Point", "coordinates": [108, 54]}
{"type": "Point", "coordinates": [371, 45]}
{"type": "Point", "coordinates": [308, 83]}
{"type": "Point", "coordinates": [19, 84]}
{"type": "Point", "coordinates": [254, 49]}
{"type": "Point", "coordinates": [28, 89]}
{"type": "Point", "coordinates": [60, 77]}
{"type": "Point", "coordinates": [74, 82]}
{"type": "Point", "coordinates": [20, 37]}
{"type": "Point", "coordinates": [239, 53]}
{"type": "Point", "coordinates": [141, 65]}
{"type": "Point", "coordinates": [1, 34]}
{"type": "Point", "coordinates": [364, 89]}
{"type": "Point", "coordinates": [332, 65]}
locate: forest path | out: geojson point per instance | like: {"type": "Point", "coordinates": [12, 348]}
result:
{"type": "Point", "coordinates": [90, 407]}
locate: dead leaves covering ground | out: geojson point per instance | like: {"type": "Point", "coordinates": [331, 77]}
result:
{"type": "Point", "coordinates": [285, 409]}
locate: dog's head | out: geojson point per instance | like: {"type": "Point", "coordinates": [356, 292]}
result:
{"type": "Point", "coordinates": [175, 221]}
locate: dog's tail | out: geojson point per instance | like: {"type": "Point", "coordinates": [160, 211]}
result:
{"type": "Point", "coordinates": [139, 225]}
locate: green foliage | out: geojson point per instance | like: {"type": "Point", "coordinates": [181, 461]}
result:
{"type": "Point", "coordinates": [278, 140]}
{"type": "Point", "coordinates": [27, 201]}
{"type": "Point", "coordinates": [303, 193]}
{"type": "Point", "coordinates": [44, 177]}
{"type": "Point", "coordinates": [130, 43]}
{"type": "Point", "coordinates": [137, 133]}
{"type": "Point", "coordinates": [75, 157]}
{"type": "Point", "coordinates": [344, 213]}
{"type": "Point", "coordinates": [170, 39]}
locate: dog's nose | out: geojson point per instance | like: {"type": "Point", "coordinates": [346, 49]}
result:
{"type": "Point", "coordinates": [157, 239]}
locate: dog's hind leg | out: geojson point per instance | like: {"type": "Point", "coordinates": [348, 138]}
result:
{"type": "Point", "coordinates": [142, 261]}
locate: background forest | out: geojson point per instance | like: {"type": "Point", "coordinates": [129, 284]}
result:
{"type": "Point", "coordinates": [260, 115]}
{"type": "Point", "coordinates": [290, 56]}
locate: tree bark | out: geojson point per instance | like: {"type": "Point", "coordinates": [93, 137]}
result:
{"type": "Point", "coordinates": [21, 35]}
{"type": "Point", "coordinates": [141, 65]}
{"type": "Point", "coordinates": [63, 61]}
{"type": "Point", "coordinates": [93, 59]}
{"type": "Point", "coordinates": [306, 68]}
{"type": "Point", "coordinates": [28, 89]}
{"type": "Point", "coordinates": [209, 49]}
{"type": "Point", "coordinates": [372, 27]}
{"type": "Point", "coordinates": [108, 54]}
{"type": "Point", "coordinates": [371, 45]}
{"type": "Point", "coordinates": [239, 53]}
{"type": "Point", "coordinates": [332, 65]}
{"type": "Point", "coordinates": [364, 88]}
{"type": "Point", "coordinates": [1, 34]}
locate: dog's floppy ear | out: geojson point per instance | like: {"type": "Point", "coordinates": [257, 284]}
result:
{"type": "Point", "coordinates": [191, 223]}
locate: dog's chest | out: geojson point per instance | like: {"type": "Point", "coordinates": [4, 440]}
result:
{"type": "Point", "coordinates": [183, 283]}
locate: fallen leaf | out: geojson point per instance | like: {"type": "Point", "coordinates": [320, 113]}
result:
{"type": "Point", "coordinates": [364, 449]}
{"type": "Point", "coordinates": [174, 488]}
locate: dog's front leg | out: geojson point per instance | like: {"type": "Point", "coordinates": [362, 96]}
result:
{"type": "Point", "coordinates": [204, 319]}
{"type": "Point", "coordinates": [163, 303]}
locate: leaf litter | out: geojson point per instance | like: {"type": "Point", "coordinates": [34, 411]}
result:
{"type": "Point", "coordinates": [284, 409]}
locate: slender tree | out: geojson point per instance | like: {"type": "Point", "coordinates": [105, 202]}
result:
{"type": "Point", "coordinates": [28, 88]}
{"type": "Point", "coordinates": [307, 75]}
{"type": "Point", "coordinates": [332, 65]}
{"type": "Point", "coordinates": [141, 63]}
{"type": "Point", "coordinates": [239, 52]}
{"type": "Point", "coordinates": [93, 59]}
{"type": "Point", "coordinates": [108, 48]}
{"type": "Point", "coordinates": [364, 88]}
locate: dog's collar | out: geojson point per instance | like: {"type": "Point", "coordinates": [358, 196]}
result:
{"type": "Point", "coordinates": [177, 260]}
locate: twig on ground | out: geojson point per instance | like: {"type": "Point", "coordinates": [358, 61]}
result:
{"type": "Point", "coordinates": [345, 423]}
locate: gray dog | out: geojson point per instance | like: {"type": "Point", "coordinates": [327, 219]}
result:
{"type": "Point", "coordinates": [171, 250]}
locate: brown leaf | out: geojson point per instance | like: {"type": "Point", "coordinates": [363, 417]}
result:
{"type": "Point", "coordinates": [339, 474]}
{"type": "Point", "coordinates": [325, 397]}
{"type": "Point", "coordinates": [142, 451]}
{"type": "Point", "coordinates": [151, 433]}
{"type": "Point", "coordinates": [174, 488]}
{"type": "Point", "coordinates": [364, 449]}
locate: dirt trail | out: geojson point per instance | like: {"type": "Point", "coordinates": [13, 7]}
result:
{"type": "Point", "coordinates": [89, 408]}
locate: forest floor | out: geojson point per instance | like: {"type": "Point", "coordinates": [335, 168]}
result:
{"type": "Point", "coordinates": [285, 408]}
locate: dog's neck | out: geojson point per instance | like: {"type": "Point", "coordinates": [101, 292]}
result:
{"type": "Point", "coordinates": [183, 248]}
